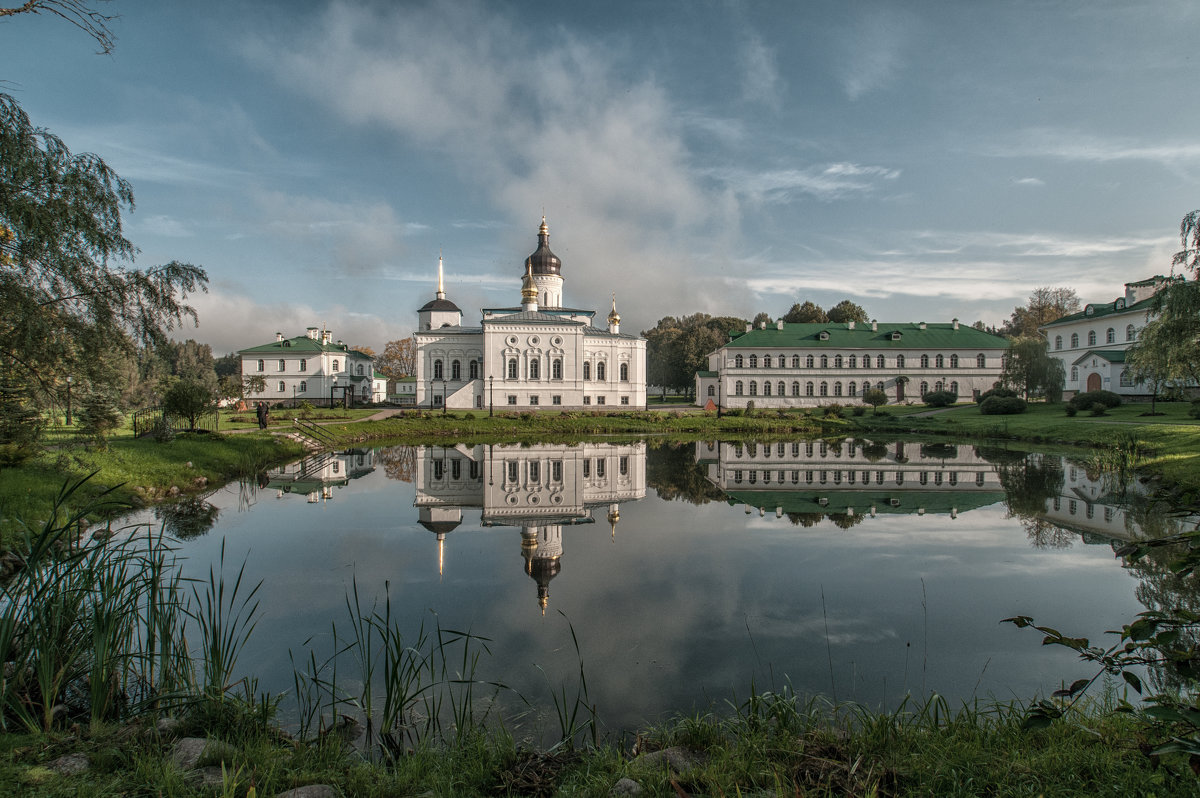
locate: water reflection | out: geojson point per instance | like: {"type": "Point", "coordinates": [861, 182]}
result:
{"type": "Point", "coordinates": [315, 477]}
{"type": "Point", "coordinates": [539, 489]}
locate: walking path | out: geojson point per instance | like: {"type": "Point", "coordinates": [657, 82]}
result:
{"type": "Point", "coordinates": [284, 429]}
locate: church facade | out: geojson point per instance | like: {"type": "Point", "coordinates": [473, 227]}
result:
{"type": "Point", "coordinates": [539, 355]}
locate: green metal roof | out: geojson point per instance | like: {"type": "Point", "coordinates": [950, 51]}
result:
{"type": "Point", "coordinates": [1099, 311]}
{"type": "Point", "coordinates": [299, 345]}
{"type": "Point", "coordinates": [908, 335]}
{"type": "Point", "coordinates": [1111, 355]}
{"type": "Point", "coordinates": [707, 374]}
{"type": "Point", "coordinates": [884, 501]}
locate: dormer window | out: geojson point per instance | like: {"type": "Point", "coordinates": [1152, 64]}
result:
{"type": "Point", "coordinates": [896, 336]}
{"type": "Point", "coordinates": [1089, 310]}
{"type": "Point", "coordinates": [1120, 303]}
{"type": "Point", "coordinates": [824, 336]}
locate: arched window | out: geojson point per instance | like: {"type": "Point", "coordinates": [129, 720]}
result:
{"type": "Point", "coordinates": [938, 386]}
{"type": "Point", "coordinates": [808, 389]}
{"type": "Point", "coordinates": [261, 366]}
{"type": "Point", "coordinates": [837, 389]}
{"type": "Point", "coordinates": [924, 388]}
{"type": "Point", "coordinates": [455, 370]}
{"type": "Point", "coordinates": [473, 369]}
{"type": "Point", "coordinates": [512, 368]}
{"type": "Point", "coordinates": [1074, 373]}
{"type": "Point", "coordinates": [795, 361]}
{"type": "Point", "coordinates": [1074, 340]}
{"type": "Point", "coordinates": [600, 371]}
{"type": "Point", "coordinates": [852, 389]}
{"type": "Point", "coordinates": [360, 369]}
{"type": "Point", "coordinates": [624, 372]}
{"type": "Point", "coordinates": [879, 362]}
{"type": "Point", "coordinates": [824, 361]}
{"type": "Point", "coordinates": [1130, 333]}
{"type": "Point", "coordinates": [556, 369]}
{"type": "Point", "coordinates": [304, 364]}
{"type": "Point", "coordinates": [437, 369]}
{"type": "Point", "coordinates": [535, 368]}
{"type": "Point", "coordinates": [1058, 342]}
{"type": "Point", "coordinates": [824, 389]}
{"type": "Point", "coordinates": [754, 361]}
{"type": "Point", "coordinates": [837, 361]}
{"type": "Point", "coordinates": [900, 361]}
{"type": "Point", "coordinates": [737, 361]}
{"type": "Point", "coordinates": [753, 388]}
{"type": "Point", "coordinates": [808, 361]}
{"type": "Point", "coordinates": [924, 361]}
{"type": "Point", "coordinates": [954, 387]}
{"type": "Point", "coordinates": [712, 390]}
{"type": "Point", "coordinates": [1091, 337]}
{"type": "Point", "coordinates": [954, 361]}
{"type": "Point", "coordinates": [282, 387]}
{"type": "Point", "coordinates": [853, 362]}
{"type": "Point", "coordinates": [738, 388]}
{"type": "Point", "coordinates": [980, 361]}
{"type": "Point", "coordinates": [282, 364]}
{"type": "Point", "coordinates": [1110, 336]}
{"type": "Point", "coordinates": [766, 387]}
{"type": "Point", "coordinates": [335, 365]}
{"type": "Point", "coordinates": [587, 370]}
{"type": "Point", "coordinates": [781, 388]}
{"type": "Point", "coordinates": [766, 361]}
{"type": "Point", "coordinates": [795, 388]}
{"type": "Point", "coordinates": [303, 386]}
{"type": "Point", "coordinates": [878, 385]}
{"type": "Point", "coordinates": [939, 362]}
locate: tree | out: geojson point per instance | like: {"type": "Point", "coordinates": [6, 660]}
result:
{"type": "Point", "coordinates": [99, 415]}
{"type": "Point", "coordinates": [227, 365]}
{"type": "Point", "coordinates": [1045, 305]}
{"type": "Point", "coordinates": [399, 359]}
{"type": "Point", "coordinates": [1168, 348]}
{"type": "Point", "coordinates": [189, 399]}
{"type": "Point", "coordinates": [366, 350]}
{"type": "Point", "coordinates": [78, 12]}
{"type": "Point", "coordinates": [254, 383]}
{"type": "Point", "coordinates": [762, 319]}
{"type": "Point", "coordinates": [68, 291]}
{"type": "Point", "coordinates": [808, 312]}
{"type": "Point", "coordinates": [1029, 368]}
{"type": "Point", "coordinates": [875, 398]}
{"type": "Point", "coordinates": [845, 311]}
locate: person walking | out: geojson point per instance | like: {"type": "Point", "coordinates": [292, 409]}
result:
{"type": "Point", "coordinates": [261, 412]}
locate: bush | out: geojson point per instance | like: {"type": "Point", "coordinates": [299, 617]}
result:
{"type": "Point", "coordinates": [189, 400]}
{"type": "Point", "coordinates": [831, 411]}
{"type": "Point", "coordinates": [99, 416]}
{"type": "Point", "coordinates": [750, 408]}
{"type": "Point", "coordinates": [999, 391]}
{"type": "Point", "coordinates": [1072, 410]}
{"type": "Point", "coordinates": [1099, 408]}
{"type": "Point", "coordinates": [1002, 406]}
{"type": "Point", "coordinates": [1194, 412]}
{"type": "Point", "coordinates": [940, 398]}
{"type": "Point", "coordinates": [858, 410]}
{"type": "Point", "coordinates": [875, 398]}
{"type": "Point", "coordinates": [1084, 401]}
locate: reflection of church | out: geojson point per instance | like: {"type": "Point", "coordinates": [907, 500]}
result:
{"type": "Point", "coordinates": [540, 488]}
{"type": "Point", "coordinates": [316, 475]}
{"type": "Point", "coordinates": [851, 477]}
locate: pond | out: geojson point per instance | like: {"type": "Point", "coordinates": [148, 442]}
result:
{"type": "Point", "coordinates": [863, 571]}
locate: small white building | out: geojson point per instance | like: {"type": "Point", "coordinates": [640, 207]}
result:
{"type": "Point", "coordinates": [310, 368]}
{"type": "Point", "coordinates": [1091, 344]}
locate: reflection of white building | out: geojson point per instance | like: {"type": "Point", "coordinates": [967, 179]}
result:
{"type": "Point", "coordinates": [539, 488]}
{"type": "Point", "coordinates": [315, 476]}
{"type": "Point", "coordinates": [851, 477]}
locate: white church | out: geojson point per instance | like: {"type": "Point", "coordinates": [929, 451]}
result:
{"type": "Point", "coordinates": [539, 355]}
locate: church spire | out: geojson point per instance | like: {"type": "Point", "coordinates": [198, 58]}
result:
{"type": "Point", "coordinates": [614, 318]}
{"type": "Point", "coordinates": [529, 290]}
{"type": "Point", "coordinates": [441, 290]}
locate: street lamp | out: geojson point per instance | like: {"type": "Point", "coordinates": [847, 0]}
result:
{"type": "Point", "coordinates": [70, 380]}
{"type": "Point", "coordinates": [443, 397]}
{"type": "Point", "coordinates": [720, 382]}
{"type": "Point", "coordinates": [332, 388]}
{"type": "Point", "coordinates": [491, 396]}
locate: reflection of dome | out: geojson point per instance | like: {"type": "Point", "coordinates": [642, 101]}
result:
{"type": "Point", "coordinates": [543, 261]}
{"type": "Point", "coordinates": [439, 527]}
{"type": "Point", "coordinates": [542, 566]}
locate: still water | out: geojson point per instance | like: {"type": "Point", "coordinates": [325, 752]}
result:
{"type": "Point", "coordinates": [860, 570]}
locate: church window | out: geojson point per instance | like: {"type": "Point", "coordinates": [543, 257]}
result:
{"type": "Point", "coordinates": [824, 389]}
{"type": "Point", "coordinates": [456, 469]}
{"type": "Point", "coordinates": [879, 361]}
{"type": "Point", "coordinates": [624, 372]}
{"type": "Point", "coordinates": [766, 387]}
{"type": "Point", "coordinates": [781, 387]}
{"type": "Point", "coordinates": [556, 369]}
{"type": "Point", "coordinates": [737, 361]}
{"type": "Point", "coordinates": [738, 388]}
{"type": "Point", "coordinates": [1129, 334]}
{"type": "Point", "coordinates": [587, 370]}
{"type": "Point", "coordinates": [456, 370]}
{"type": "Point", "coordinates": [1074, 373]}
{"type": "Point", "coordinates": [808, 389]}
{"type": "Point", "coordinates": [282, 387]}
{"type": "Point", "coordinates": [282, 365]}
{"type": "Point", "coordinates": [473, 369]}
{"type": "Point", "coordinates": [754, 361]}
{"type": "Point", "coordinates": [712, 390]}
{"type": "Point", "coordinates": [512, 370]}
{"type": "Point", "coordinates": [795, 361]}
{"type": "Point", "coordinates": [623, 466]}
{"type": "Point", "coordinates": [1074, 340]}
{"type": "Point", "coordinates": [513, 471]}
{"type": "Point", "coordinates": [753, 388]}
{"type": "Point", "coordinates": [824, 361]}
{"type": "Point", "coordinates": [853, 362]}
{"type": "Point", "coordinates": [437, 369]}
{"type": "Point", "coordinates": [767, 361]}
{"type": "Point", "coordinates": [600, 369]}
{"type": "Point", "coordinates": [335, 366]}
{"type": "Point", "coordinates": [837, 361]}
{"type": "Point", "coordinates": [1110, 336]}
{"type": "Point", "coordinates": [261, 366]}
{"type": "Point", "coordinates": [795, 389]}
{"type": "Point", "coordinates": [939, 362]}
{"type": "Point", "coordinates": [535, 369]}
{"type": "Point", "coordinates": [1058, 342]}
{"type": "Point", "coordinates": [900, 362]}
{"type": "Point", "coordinates": [1091, 337]}
{"type": "Point", "coordinates": [303, 386]}
{"type": "Point", "coordinates": [954, 361]}
{"type": "Point", "coordinates": [924, 361]}
{"type": "Point", "coordinates": [980, 361]}
{"type": "Point", "coordinates": [808, 361]}
{"type": "Point", "coordinates": [303, 364]}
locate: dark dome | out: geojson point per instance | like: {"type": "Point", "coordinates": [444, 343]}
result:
{"type": "Point", "coordinates": [543, 261]}
{"type": "Point", "coordinates": [440, 527]}
{"type": "Point", "coordinates": [440, 304]}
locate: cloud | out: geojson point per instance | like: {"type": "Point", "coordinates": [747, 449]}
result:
{"type": "Point", "coordinates": [1073, 145]}
{"type": "Point", "coordinates": [165, 226]}
{"type": "Point", "coordinates": [871, 51]}
{"type": "Point", "coordinates": [760, 76]}
{"type": "Point", "coordinates": [825, 182]}
{"type": "Point", "coordinates": [1028, 181]}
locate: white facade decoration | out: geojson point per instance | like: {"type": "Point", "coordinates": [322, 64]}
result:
{"type": "Point", "coordinates": [310, 368]}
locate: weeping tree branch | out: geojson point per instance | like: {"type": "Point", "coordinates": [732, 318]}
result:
{"type": "Point", "coordinates": [79, 13]}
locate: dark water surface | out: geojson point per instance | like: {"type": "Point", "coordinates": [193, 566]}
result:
{"type": "Point", "coordinates": [857, 570]}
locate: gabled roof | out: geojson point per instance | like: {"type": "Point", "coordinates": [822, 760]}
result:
{"type": "Point", "coordinates": [302, 344]}
{"type": "Point", "coordinates": [908, 335]}
{"type": "Point", "coordinates": [1111, 355]}
{"type": "Point", "coordinates": [836, 501]}
{"type": "Point", "coordinates": [1098, 311]}
{"type": "Point", "coordinates": [531, 317]}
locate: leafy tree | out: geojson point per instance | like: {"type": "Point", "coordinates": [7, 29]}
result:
{"type": "Point", "coordinates": [875, 398]}
{"type": "Point", "coordinates": [68, 291]}
{"type": "Point", "coordinates": [763, 319]}
{"type": "Point", "coordinates": [662, 365]}
{"type": "Point", "coordinates": [808, 312]}
{"type": "Point", "coordinates": [20, 424]}
{"type": "Point", "coordinates": [189, 399]}
{"type": "Point", "coordinates": [1189, 238]}
{"type": "Point", "coordinates": [677, 348]}
{"type": "Point", "coordinates": [1029, 368]}
{"type": "Point", "coordinates": [1045, 305]}
{"type": "Point", "coordinates": [399, 359]}
{"type": "Point", "coordinates": [229, 387]}
{"type": "Point", "coordinates": [845, 311]}
{"type": "Point", "coordinates": [227, 365]}
{"type": "Point", "coordinates": [366, 350]}
{"type": "Point", "coordinates": [254, 384]}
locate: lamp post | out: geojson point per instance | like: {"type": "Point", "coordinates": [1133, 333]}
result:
{"type": "Point", "coordinates": [332, 388]}
{"type": "Point", "coordinates": [720, 383]}
{"type": "Point", "coordinates": [443, 397]}
{"type": "Point", "coordinates": [70, 380]}
{"type": "Point", "coordinates": [491, 396]}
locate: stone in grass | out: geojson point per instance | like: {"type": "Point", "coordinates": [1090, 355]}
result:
{"type": "Point", "coordinates": [311, 791]}
{"type": "Point", "coordinates": [678, 758]}
{"type": "Point", "coordinates": [70, 764]}
{"type": "Point", "coordinates": [207, 776]}
{"type": "Point", "coordinates": [626, 786]}
{"type": "Point", "coordinates": [191, 751]}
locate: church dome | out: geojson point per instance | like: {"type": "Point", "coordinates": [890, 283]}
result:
{"type": "Point", "coordinates": [543, 261]}
{"type": "Point", "coordinates": [440, 304]}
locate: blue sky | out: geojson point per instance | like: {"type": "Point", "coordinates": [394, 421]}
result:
{"type": "Point", "coordinates": [927, 160]}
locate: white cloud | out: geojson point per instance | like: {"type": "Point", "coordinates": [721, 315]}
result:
{"type": "Point", "coordinates": [760, 75]}
{"type": "Point", "coordinates": [1029, 181]}
{"type": "Point", "coordinates": [871, 51]}
{"type": "Point", "coordinates": [1074, 145]}
{"type": "Point", "coordinates": [825, 182]}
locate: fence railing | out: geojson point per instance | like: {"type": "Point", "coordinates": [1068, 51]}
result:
{"type": "Point", "coordinates": [148, 418]}
{"type": "Point", "coordinates": [313, 432]}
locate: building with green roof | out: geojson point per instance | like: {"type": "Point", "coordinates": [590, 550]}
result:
{"type": "Point", "coordinates": [804, 365]}
{"type": "Point", "coordinates": [311, 368]}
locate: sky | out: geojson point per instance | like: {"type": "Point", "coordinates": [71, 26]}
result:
{"type": "Point", "coordinates": [928, 161]}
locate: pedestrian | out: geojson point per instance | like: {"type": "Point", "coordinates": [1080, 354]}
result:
{"type": "Point", "coordinates": [261, 412]}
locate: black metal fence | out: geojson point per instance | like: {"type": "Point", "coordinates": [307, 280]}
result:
{"type": "Point", "coordinates": [146, 420]}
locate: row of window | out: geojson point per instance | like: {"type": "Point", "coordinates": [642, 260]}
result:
{"type": "Point", "coordinates": [822, 388]}
{"type": "Point", "coordinates": [820, 447]}
{"type": "Point", "coordinates": [302, 387]}
{"type": "Point", "coordinates": [849, 477]}
{"type": "Point", "coordinates": [282, 366]}
{"type": "Point", "coordinates": [455, 369]}
{"type": "Point", "coordinates": [512, 469]}
{"type": "Point", "coordinates": [534, 370]}
{"type": "Point", "coordinates": [1089, 510]}
{"type": "Point", "coordinates": [1110, 337]}
{"type": "Point", "coordinates": [1125, 380]}
{"type": "Point", "coordinates": [851, 361]}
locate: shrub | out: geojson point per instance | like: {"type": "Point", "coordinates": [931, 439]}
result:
{"type": "Point", "coordinates": [875, 398]}
{"type": "Point", "coordinates": [858, 410]}
{"type": "Point", "coordinates": [1099, 408]}
{"type": "Point", "coordinates": [1002, 406]}
{"type": "Point", "coordinates": [99, 416]}
{"type": "Point", "coordinates": [750, 408]}
{"type": "Point", "coordinates": [1194, 411]}
{"type": "Point", "coordinates": [999, 391]}
{"type": "Point", "coordinates": [1084, 401]}
{"type": "Point", "coordinates": [189, 399]}
{"type": "Point", "coordinates": [1072, 410]}
{"type": "Point", "coordinates": [940, 398]}
{"type": "Point", "coordinates": [831, 411]}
